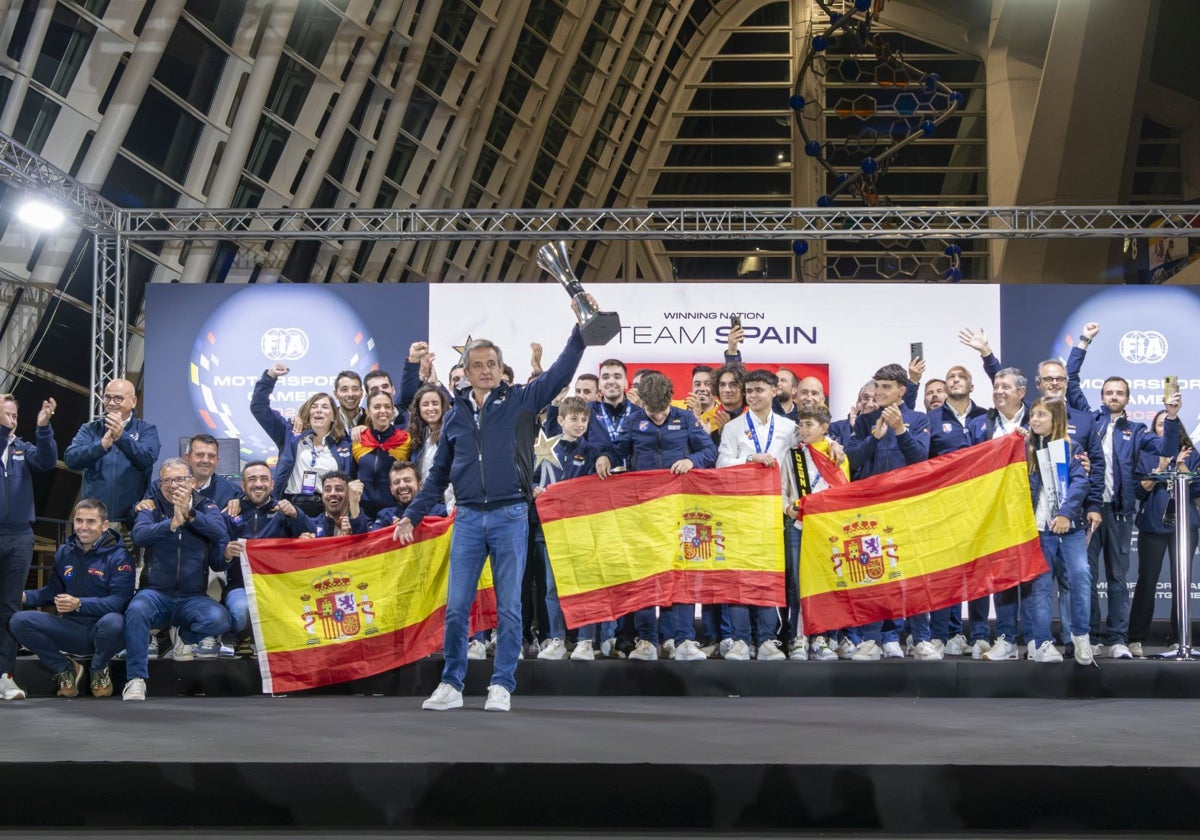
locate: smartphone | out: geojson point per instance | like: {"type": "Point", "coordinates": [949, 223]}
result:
{"type": "Point", "coordinates": [735, 321]}
{"type": "Point", "coordinates": [916, 350]}
{"type": "Point", "coordinates": [1170, 387]}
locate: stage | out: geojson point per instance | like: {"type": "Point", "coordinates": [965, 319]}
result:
{"type": "Point", "coordinates": [893, 747]}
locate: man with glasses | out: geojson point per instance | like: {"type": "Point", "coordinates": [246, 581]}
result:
{"type": "Point", "coordinates": [116, 453]}
{"type": "Point", "coordinates": [184, 536]}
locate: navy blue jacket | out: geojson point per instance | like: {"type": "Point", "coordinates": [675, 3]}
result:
{"type": "Point", "coordinates": [324, 526]}
{"type": "Point", "coordinates": [120, 476]}
{"type": "Point", "coordinates": [647, 446]}
{"type": "Point", "coordinates": [869, 456]}
{"type": "Point", "coordinates": [388, 516]}
{"type": "Point", "coordinates": [261, 523]}
{"type": "Point", "coordinates": [983, 427]}
{"type": "Point", "coordinates": [946, 434]}
{"type": "Point", "coordinates": [1130, 440]}
{"type": "Point", "coordinates": [1073, 506]}
{"type": "Point", "coordinates": [490, 462]}
{"type": "Point", "coordinates": [102, 579]}
{"type": "Point", "coordinates": [179, 561]}
{"type": "Point", "coordinates": [1153, 503]}
{"type": "Point", "coordinates": [220, 491]}
{"type": "Point", "coordinates": [576, 458]}
{"type": "Point", "coordinates": [19, 462]}
{"type": "Point", "coordinates": [280, 430]}
{"type": "Point", "coordinates": [841, 431]}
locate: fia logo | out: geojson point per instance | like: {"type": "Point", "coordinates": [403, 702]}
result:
{"type": "Point", "coordinates": [1139, 347]}
{"type": "Point", "coordinates": [284, 344]}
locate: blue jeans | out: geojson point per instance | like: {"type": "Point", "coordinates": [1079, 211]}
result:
{"type": "Point", "coordinates": [1032, 599]}
{"type": "Point", "coordinates": [557, 625]}
{"type": "Point", "coordinates": [16, 555]}
{"type": "Point", "coordinates": [196, 616]}
{"type": "Point", "coordinates": [48, 635]}
{"type": "Point", "coordinates": [1112, 541]}
{"type": "Point", "coordinates": [502, 534]}
{"type": "Point", "coordinates": [739, 623]}
{"type": "Point", "coordinates": [1067, 556]}
{"type": "Point", "coordinates": [881, 632]}
{"type": "Point", "coordinates": [239, 611]}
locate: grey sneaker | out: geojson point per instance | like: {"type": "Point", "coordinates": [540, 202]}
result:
{"type": "Point", "coordinates": [135, 689]}
{"type": "Point", "coordinates": [499, 699]}
{"type": "Point", "coordinates": [444, 697]}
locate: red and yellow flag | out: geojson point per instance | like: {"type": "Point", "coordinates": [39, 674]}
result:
{"type": "Point", "coordinates": [920, 538]}
{"type": "Point", "coordinates": [338, 608]}
{"type": "Point", "coordinates": [647, 539]}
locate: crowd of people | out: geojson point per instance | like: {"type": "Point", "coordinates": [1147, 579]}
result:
{"type": "Point", "coordinates": [151, 566]}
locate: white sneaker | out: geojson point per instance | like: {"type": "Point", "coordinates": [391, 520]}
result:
{"type": "Point", "coordinates": [1001, 649]}
{"type": "Point", "coordinates": [608, 648]}
{"type": "Point", "coordinates": [9, 690]}
{"type": "Point", "coordinates": [926, 652]}
{"type": "Point", "coordinates": [724, 647]}
{"type": "Point", "coordinates": [1098, 650]}
{"type": "Point", "coordinates": [769, 651]}
{"type": "Point", "coordinates": [798, 650]}
{"type": "Point", "coordinates": [908, 646]}
{"type": "Point", "coordinates": [738, 651]}
{"type": "Point", "coordinates": [980, 648]}
{"type": "Point", "coordinates": [553, 649]}
{"type": "Point", "coordinates": [668, 649]}
{"type": "Point", "coordinates": [476, 650]}
{"type": "Point", "coordinates": [499, 699]}
{"type": "Point", "coordinates": [846, 649]}
{"type": "Point", "coordinates": [583, 651]}
{"type": "Point", "coordinates": [644, 651]}
{"type": "Point", "coordinates": [1045, 652]}
{"type": "Point", "coordinates": [821, 651]}
{"type": "Point", "coordinates": [135, 689]}
{"type": "Point", "coordinates": [181, 651]}
{"type": "Point", "coordinates": [1083, 649]}
{"type": "Point", "coordinates": [957, 646]}
{"type": "Point", "coordinates": [892, 650]}
{"type": "Point", "coordinates": [688, 651]}
{"type": "Point", "coordinates": [444, 697]}
{"type": "Point", "coordinates": [868, 651]}
{"type": "Point", "coordinates": [1120, 651]}
{"type": "Point", "coordinates": [1135, 649]}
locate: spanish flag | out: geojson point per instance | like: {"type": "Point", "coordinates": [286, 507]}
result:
{"type": "Point", "coordinates": [646, 539]}
{"type": "Point", "coordinates": [338, 608]}
{"type": "Point", "coordinates": [920, 538]}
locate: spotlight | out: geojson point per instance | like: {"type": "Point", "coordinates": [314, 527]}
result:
{"type": "Point", "coordinates": [40, 214]}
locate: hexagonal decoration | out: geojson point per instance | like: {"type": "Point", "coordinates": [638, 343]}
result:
{"type": "Point", "coordinates": [864, 106]}
{"type": "Point", "coordinates": [906, 104]}
{"type": "Point", "coordinates": [844, 108]}
{"type": "Point", "coordinates": [849, 70]}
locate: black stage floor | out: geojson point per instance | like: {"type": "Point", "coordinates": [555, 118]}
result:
{"type": "Point", "coordinates": [799, 764]}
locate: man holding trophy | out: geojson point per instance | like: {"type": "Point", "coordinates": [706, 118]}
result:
{"type": "Point", "coordinates": [486, 451]}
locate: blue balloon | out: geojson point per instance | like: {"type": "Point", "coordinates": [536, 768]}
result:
{"type": "Point", "coordinates": [824, 201]}
{"type": "Point", "coordinates": [957, 99]}
{"type": "Point", "coordinates": [954, 275]}
{"type": "Point", "coordinates": [953, 250]}
{"type": "Point", "coordinates": [820, 43]}
{"type": "Point", "coordinates": [799, 247]}
{"type": "Point", "coordinates": [834, 17]}
{"type": "Point", "coordinates": [812, 148]}
{"type": "Point", "coordinates": [929, 128]}
{"type": "Point", "coordinates": [869, 165]}
{"type": "Point", "coordinates": [930, 82]}
{"type": "Point", "coordinates": [842, 177]}
{"type": "Point", "coordinates": [796, 102]}
{"type": "Point", "coordinates": [862, 5]}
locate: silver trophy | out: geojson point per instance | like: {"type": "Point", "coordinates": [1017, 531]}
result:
{"type": "Point", "coordinates": [596, 327]}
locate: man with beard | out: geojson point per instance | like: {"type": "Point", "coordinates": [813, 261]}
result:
{"type": "Point", "coordinates": [348, 391]}
{"type": "Point", "coordinates": [405, 484]}
{"type": "Point", "coordinates": [341, 495]}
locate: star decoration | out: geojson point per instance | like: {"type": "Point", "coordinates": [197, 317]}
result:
{"type": "Point", "coordinates": [543, 450]}
{"type": "Point", "coordinates": [461, 350]}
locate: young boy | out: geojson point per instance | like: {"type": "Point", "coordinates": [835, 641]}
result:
{"type": "Point", "coordinates": [813, 430]}
{"type": "Point", "coordinates": [558, 458]}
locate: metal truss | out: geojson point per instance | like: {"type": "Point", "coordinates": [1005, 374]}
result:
{"type": "Point", "coordinates": [29, 171]}
{"type": "Point", "coordinates": [876, 223]}
{"type": "Point", "coordinates": [110, 311]}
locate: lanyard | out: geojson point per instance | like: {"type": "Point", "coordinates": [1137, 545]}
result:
{"type": "Point", "coordinates": [754, 435]}
{"type": "Point", "coordinates": [609, 425]}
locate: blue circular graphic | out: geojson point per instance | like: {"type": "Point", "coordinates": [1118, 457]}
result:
{"type": "Point", "coordinates": [310, 329]}
{"type": "Point", "coordinates": [1145, 334]}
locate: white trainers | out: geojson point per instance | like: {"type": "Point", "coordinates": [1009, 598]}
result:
{"type": "Point", "coordinates": [1120, 651]}
{"type": "Point", "coordinates": [1045, 652]}
{"type": "Point", "coordinates": [868, 651]}
{"type": "Point", "coordinates": [724, 646]}
{"type": "Point", "coordinates": [908, 646]}
{"type": "Point", "coordinates": [892, 650]}
{"type": "Point", "coordinates": [1097, 650]}
{"type": "Point", "coordinates": [9, 690]}
{"type": "Point", "coordinates": [846, 649]}
{"type": "Point", "coordinates": [1001, 649]}
{"type": "Point", "coordinates": [688, 651]}
{"type": "Point", "coordinates": [737, 650]}
{"type": "Point", "coordinates": [798, 650]}
{"type": "Point", "coordinates": [445, 697]}
{"type": "Point", "coordinates": [668, 649]}
{"type": "Point", "coordinates": [769, 651]}
{"type": "Point", "coordinates": [584, 652]}
{"type": "Point", "coordinates": [1135, 649]}
{"type": "Point", "coordinates": [980, 648]}
{"type": "Point", "coordinates": [821, 651]}
{"type": "Point", "coordinates": [926, 652]}
{"type": "Point", "coordinates": [957, 646]}
{"type": "Point", "coordinates": [476, 650]}
{"type": "Point", "coordinates": [644, 651]}
{"type": "Point", "coordinates": [1083, 649]}
{"type": "Point", "coordinates": [608, 648]}
{"type": "Point", "coordinates": [135, 689]}
{"type": "Point", "coordinates": [499, 699]}
{"type": "Point", "coordinates": [181, 651]}
{"type": "Point", "coordinates": [553, 649]}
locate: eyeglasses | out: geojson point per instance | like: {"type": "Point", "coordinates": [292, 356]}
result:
{"type": "Point", "coordinates": [1053, 380]}
{"type": "Point", "coordinates": [113, 398]}
{"type": "Point", "coordinates": [178, 481]}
